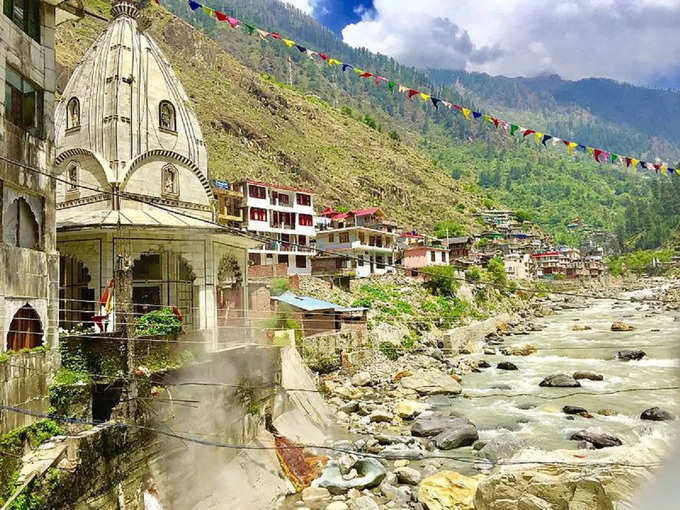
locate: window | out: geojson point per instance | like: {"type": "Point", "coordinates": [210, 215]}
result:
{"type": "Point", "coordinates": [339, 263]}
{"type": "Point", "coordinates": [379, 261]}
{"type": "Point", "coordinates": [360, 262]}
{"type": "Point", "coordinates": [300, 261]}
{"type": "Point", "coordinates": [25, 330]}
{"type": "Point", "coordinates": [283, 259]}
{"type": "Point", "coordinates": [166, 116]}
{"type": "Point", "coordinates": [281, 198]}
{"type": "Point", "coordinates": [72, 177]}
{"type": "Point", "coordinates": [306, 220]}
{"type": "Point", "coordinates": [25, 14]}
{"type": "Point", "coordinates": [20, 227]}
{"type": "Point", "coordinates": [433, 256]}
{"type": "Point", "coordinates": [344, 237]}
{"type": "Point", "coordinates": [257, 214]}
{"type": "Point", "coordinates": [331, 238]}
{"type": "Point", "coordinates": [170, 181]}
{"type": "Point", "coordinates": [302, 240]}
{"type": "Point", "coordinates": [73, 113]}
{"type": "Point", "coordinates": [304, 199]}
{"type": "Point", "coordinates": [362, 238]}
{"type": "Point", "coordinates": [147, 267]}
{"type": "Point", "coordinates": [23, 102]}
{"type": "Point", "coordinates": [257, 191]}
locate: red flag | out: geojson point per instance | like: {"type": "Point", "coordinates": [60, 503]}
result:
{"type": "Point", "coordinates": [177, 313]}
{"type": "Point", "coordinates": [323, 56]}
{"type": "Point", "coordinates": [495, 121]}
{"type": "Point", "coordinates": [657, 167]}
{"type": "Point", "coordinates": [221, 16]}
{"type": "Point", "coordinates": [457, 107]}
{"type": "Point", "coordinates": [597, 153]}
{"type": "Point", "coordinates": [412, 93]}
{"type": "Point", "coordinates": [566, 142]}
{"type": "Point", "coordinates": [365, 75]}
{"type": "Point", "coordinates": [275, 35]}
{"type": "Point", "coordinates": [527, 132]}
{"type": "Point", "coordinates": [628, 161]}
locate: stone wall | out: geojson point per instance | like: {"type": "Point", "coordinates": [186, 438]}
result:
{"type": "Point", "coordinates": [327, 350]}
{"type": "Point", "coordinates": [24, 378]}
{"type": "Point", "coordinates": [458, 338]}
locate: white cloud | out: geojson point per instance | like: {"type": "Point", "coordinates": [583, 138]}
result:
{"type": "Point", "coordinates": [306, 6]}
{"type": "Point", "coordinates": [629, 40]}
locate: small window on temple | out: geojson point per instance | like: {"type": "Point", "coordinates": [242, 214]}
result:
{"type": "Point", "coordinates": [25, 14]}
{"type": "Point", "coordinates": [72, 177]}
{"type": "Point", "coordinates": [170, 183]}
{"type": "Point", "coordinates": [73, 113]}
{"type": "Point", "coordinates": [166, 116]}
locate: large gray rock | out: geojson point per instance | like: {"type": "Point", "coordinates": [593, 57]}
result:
{"type": "Point", "coordinates": [408, 475]}
{"type": "Point", "coordinates": [592, 376]}
{"type": "Point", "coordinates": [363, 503]}
{"type": "Point", "coordinates": [544, 488]}
{"type": "Point", "coordinates": [370, 473]}
{"type": "Point", "coordinates": [431, 382]}
{"type": "Point", "coordinates": [656, 414]}
{"type": "Point", "coordinates": [596, 438]}
{"type": "Point", "coordinates": [502, 447]}
{"type": "Point", "coordinates": [430, 424]}
{"type": "Point", "coordinates": [560, 381]}
{"type": "Point", "coordinates": [630, 355]}
{"type": "Point", "coordinates": [459, 432]}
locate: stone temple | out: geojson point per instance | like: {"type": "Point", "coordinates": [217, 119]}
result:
{"type": "Point", "coordinates": [135, 190]}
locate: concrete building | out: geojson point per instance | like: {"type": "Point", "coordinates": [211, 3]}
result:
{"type": "Point", "coordinates": [29, 263]}
{"type": "Point", "coordinates": [285, 217]}
{"type": "Point", "coordinates": [422, 256]}
{"type": "Point", "coordinates": [364, 240]}
{"type": "Point", "coordinates": [518, 266]}
{"type": "Point", "coordinates": [126, 130]}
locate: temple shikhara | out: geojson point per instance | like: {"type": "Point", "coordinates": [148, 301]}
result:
{"type": "Point", "coordinates": [135, 189]}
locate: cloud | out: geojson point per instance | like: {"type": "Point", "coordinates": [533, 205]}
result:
{"type": "Point", "coordinates": [628, 40]}
{"type": "Point", "coordinates": [306, 6]}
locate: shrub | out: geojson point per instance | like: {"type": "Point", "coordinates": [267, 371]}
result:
{"type": "Point", "coordinates": [474, 274]}
{"type": "Point", "coordinates": [346, 110]}
{"type": "Point", "coordinates": [496, 270]}
{"type": "Point", "coordinates": [394, 136]}
{"type": "Point", "coordinates": [451, 228]}
{"type": "Point", "coordinates": [370, 121]}
{"type": "Point", "coordinates": [389, 350]}
{"type": "Point", "coordinates": [442, 280]}
{"type": "Point", "coordinates": [279, 286]}
{"type": "Point", "coordinates": [159, 322]}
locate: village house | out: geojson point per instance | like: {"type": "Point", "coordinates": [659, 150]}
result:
{"type": "Point", "coordinates": [129, 135]}
{"type": "Point", "coordinates": [364, 241]}
{"type": "Point", "coordinates": [284, 217]}
{"type": "Point", "coordinates": [549, 263]}
{"type": "Point", "coordinates": [518, 266]}
{"type": "Point", "coordinates": [417, 257]}
{"type": "Point", "coordinates": [29, 263]}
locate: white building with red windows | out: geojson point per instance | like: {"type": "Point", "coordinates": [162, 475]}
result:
{"type": "Point", "coordinates": [284, 216]}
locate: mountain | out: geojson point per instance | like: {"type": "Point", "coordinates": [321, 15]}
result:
{"type": "Point", "coordinates": [257, 127]}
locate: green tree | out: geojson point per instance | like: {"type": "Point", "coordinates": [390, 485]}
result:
{"type": "Point", "coordinates": [450, 228]}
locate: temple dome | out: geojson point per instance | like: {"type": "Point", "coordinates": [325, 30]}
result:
{"type": "Point", "coordinates": [125, 121]}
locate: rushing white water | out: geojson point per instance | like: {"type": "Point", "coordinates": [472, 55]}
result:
{"type": "Point", "coordinates": [535, 413]}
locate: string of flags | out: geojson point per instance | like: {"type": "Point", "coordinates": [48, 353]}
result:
{"type": "Point", "coordinates": [540, 138]}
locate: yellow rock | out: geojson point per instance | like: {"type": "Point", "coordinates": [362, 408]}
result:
{"type": "Point", "coordinates": [449, 490]}
{"type": "Point", "coordinates": [400, 375]}
{"type": "Point", "coordinates": [408, 409]}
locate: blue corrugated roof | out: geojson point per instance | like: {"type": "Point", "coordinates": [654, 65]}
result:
{"type": "Point", "coordinates": [311, 304]}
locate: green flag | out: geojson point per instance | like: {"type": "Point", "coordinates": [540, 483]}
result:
{"type": "Point", "coordinates": [513, 128]}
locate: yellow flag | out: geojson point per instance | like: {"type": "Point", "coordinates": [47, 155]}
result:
{"type": "Point", "coordinates": [424, 96]}
{"type": "Point", "coordinates": [333, 62]}
{"type": "Point", "coordinates": [359, 71]}
{"type": "Point", "coordinates": [571, 147]}
{"type": "Point", "coordinates": [288, 42]}
{"type": "Point", "coordinates": [466, 112]}
{"type": "Point", "coordinates": [538, 136]}
{"type": "Point", "coordinates": [634, 162]}
{"type": "Point", "coordinates": [664, 168]}
{"type": "Point", "coordinates": [488, 117]}
{"type": "Point", "coordinates": [590, 150]}
{"type": "Point", "coordinates": [207, 10]}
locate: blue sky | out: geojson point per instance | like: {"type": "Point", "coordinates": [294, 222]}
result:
{"type": "Point", "coordinates": [635, 41]}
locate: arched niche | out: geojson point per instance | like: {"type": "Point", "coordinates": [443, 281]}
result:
{"type": "Point", "coordinates": [25, 330]}
{"type": "Point", "coordinates": [20, 226]}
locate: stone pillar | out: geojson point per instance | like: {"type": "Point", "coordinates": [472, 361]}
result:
{"type": "Point", "coordinates": [124, 329]}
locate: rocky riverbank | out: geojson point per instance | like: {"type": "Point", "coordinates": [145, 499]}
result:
{"type": "Point", "coordinates": [415, 445]}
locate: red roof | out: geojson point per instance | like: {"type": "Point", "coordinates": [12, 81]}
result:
{"type": "Point", "coordinates": [277, 186]}
{"type": "Point", "coordinates": [365, 212]}
{"type": "Point", "coordinates": [411, 234]}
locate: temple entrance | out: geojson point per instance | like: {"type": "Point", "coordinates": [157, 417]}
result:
{"type": "Point", "coordinates": [25, 330]}
{"type": "Point", "coordinates": [76, 299]}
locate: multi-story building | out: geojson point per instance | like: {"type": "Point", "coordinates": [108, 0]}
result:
{"type": "Point", "coordinates": [284, 217]}
{"type": "Point", "coordinates": [550, 263]}
{"type": "Point", "coordinates": [518, 266]}
{"type": "Point", "coordinates": [29, 263]}
{"type": "Point", "coordinates": [364, 240]}
{"type": "Point", "coordinates": [228, 204]}
{"type": "Point", "coordinates": [415, 257]}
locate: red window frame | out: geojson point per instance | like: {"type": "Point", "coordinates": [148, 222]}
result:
{"type": "Point", "coordinates": [306, 220]}
{"type": "Point", "coordinates": [304, 199]}
{"type": "Point", "coordinates": [258, 214]}
{"type": "Point", "coordinates": [257, 191]}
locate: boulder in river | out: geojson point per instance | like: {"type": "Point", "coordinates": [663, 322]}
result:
{"type": "Point", "coordinates": [560, 381]}
{"type": "Point", "coordinates": [574, 410]}
{"type": "Point", "coordinates": [370, 473]}
{"type": "Point", "coordinates": [592, 376]}
{"type": "Point", "coordinates": [607, 412]}
{"type": "Point", "coordinates": [621, 326]}
{"type": "Point", "coordinates": [579, 327]}
{"type": "Point", "coordinates": [656, 414]}
{"type": "Point", "coordinates": [458, 432]}
{"type": "Point", "coordinates": [541, 488]}
{"type": "Point", "coordinates": [431, 382]}
{"type": "Point", "coordinates": [448, 490]}
{"type": "Point", "coordinates": [630, 355]}
{"type": "Point", "coordinates": [502, 447]}
{"type": "Point", "coordinates": [430, 424]}
{"type": "Point", "coordinates": [596, 438]}
{"type": "Point", "coordinates": [506, 365]}
{"type": "Point", "coordinates": [519, 350]}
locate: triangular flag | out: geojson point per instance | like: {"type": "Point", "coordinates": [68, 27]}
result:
{"type": "Point", "coordinates": [513, 129]}
{"type": "Point", "coordinates": [628, 162]}
{"type": "Point", "coordinates": [495, 121]}
{"type": "Point", "coordinates": [333, 62]}
{"type": "Point", "coordinates": [359, 71]}
{"type": "Point", "coordinates": [614, 158]}
{"type": "Point", "coordinates": [301, 49]}
{"type": "Point", "coordinates": [571, 146]}
{"type": "Point", "coordinates": [194, 5]}
{"type": "Point", "coordinates": [424, 96]}
{"type": "Point", "coordinates": [391, 85]}
{"type": "Point", "coordinates": [527, 132]}
{"type": "Point", "coordinates": [447, 104]}
{"type": "Point", "coordinates": [605, 156]}
{"type": "Point", "coordinates": [221, 16]}
{"type": "Point", "coordinates": [597, 153]}
{"type": "Point", "coordinates": [466, 112]}
{"type": "Point", "coordinates": [378, 79]}
{"type": "Point", "coordinates": [476, 115]}
{"type": "Point", "coordinates": [207, 10]}
{"type": "Point", "coordinates": [538, 136]}
{"type": "Point", "coordinates": [582, 147]}
{"type": "Point", "coordinates": [403, 89]}
{"type": "Point", "coordinates": [664, 169]}
{"type": "Point", "coordinates": [634, 162]}
{"type": "Point", "coordinates": [545, 139]}
{"type": "Point", "coordinates": [233, 21]}
{"type": "Point", "coordinates": [671, 170]}
{"type": "Point", "coordinates": [458, 107]}
{"type": "Point", "coordinates": [323, 56]}
{"type": "Point", "coordinates": [250, 28]}
{"type": "Point", "coordinates": [263, 35]}
{"type": "Point", "coordinates": [555, 141]}
{"type": "Point", "coordinates": [345, 66]}
{"type": "Point", "coordinates": [590, 150]}
{"type": "Point", "coordinates": [275, 35]}
{"type": "Point", "coordinates": [487, 118]}
{"type": "Point", "coordinates": [412, 93]}
{"type": "Point", "coordinates": [365, 74]}
{"type": "Point", "coordinates": [657, 166]}
{"type": "Point", "coordinates": [435, 102]}
{"type": "Point", "coordinates": [505, 125]}
{"type": "Point", "coordinates": [311, 53]}
{"type": "Point", "coordinates": [288, 42]}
